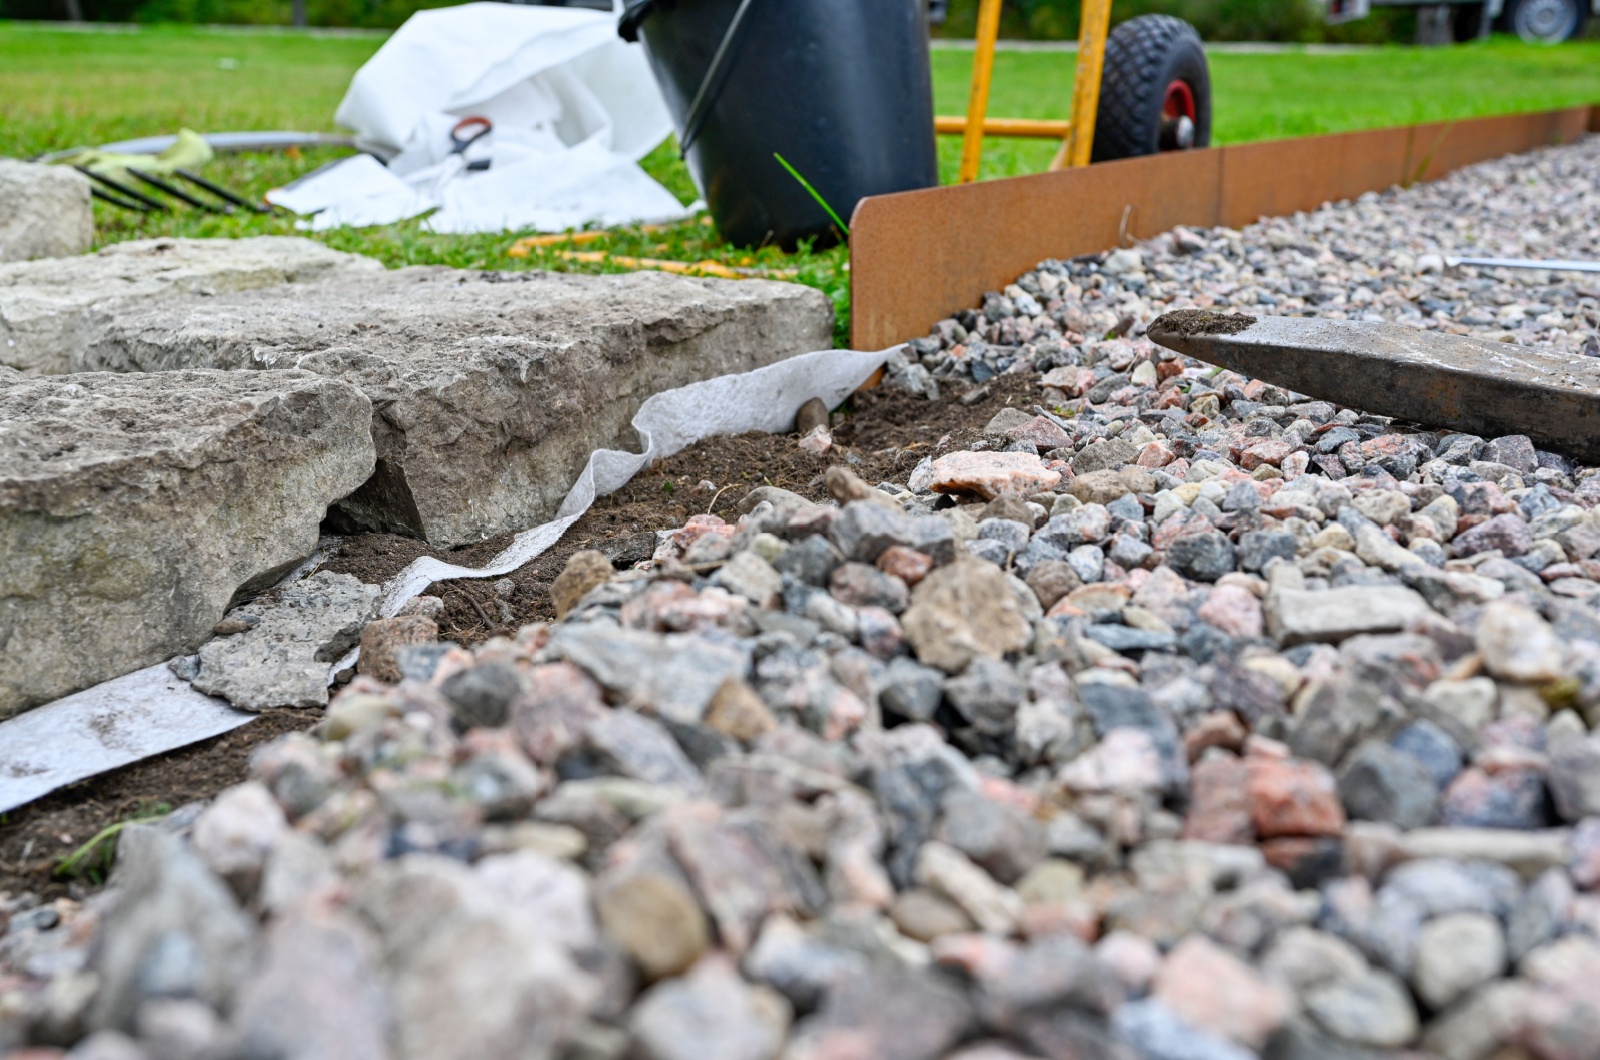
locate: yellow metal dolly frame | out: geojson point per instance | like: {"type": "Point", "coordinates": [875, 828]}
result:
{"type": "Point", "coordinates": [1076, 135]}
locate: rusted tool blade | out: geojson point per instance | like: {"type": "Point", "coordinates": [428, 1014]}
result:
{"type": "Point", "coordinates": [1465, 384]}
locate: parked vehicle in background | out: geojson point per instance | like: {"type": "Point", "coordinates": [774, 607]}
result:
{"type": "Point", "coordinates": [1535, 21]}
{"type": "Point", "coordinates": [596, 5]}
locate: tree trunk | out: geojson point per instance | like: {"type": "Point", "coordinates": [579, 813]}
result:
{"type": "Point", "coordinates": [300, 12]}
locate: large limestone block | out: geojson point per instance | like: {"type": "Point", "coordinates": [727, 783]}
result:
{"type": "Point", "coordinates": [489, 390]}
{"type": "Point", "coordinates": [50, 310]}
{"type": "Point", "coordinates": [45, 211]}
{"type": "Point", "coordinates": [133, 509]}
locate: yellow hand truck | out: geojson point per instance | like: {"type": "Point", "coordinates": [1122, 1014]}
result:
{"type": "Point", "coordinates": [1151, 72]}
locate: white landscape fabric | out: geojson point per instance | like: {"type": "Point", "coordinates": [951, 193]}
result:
{"type": "Point", "coordinates": [574, 108]}
{"type": "Point", "coordinates": [151, 711]}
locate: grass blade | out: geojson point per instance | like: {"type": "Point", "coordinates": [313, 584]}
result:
{"type": "Point", "coordinates": [806, 184]}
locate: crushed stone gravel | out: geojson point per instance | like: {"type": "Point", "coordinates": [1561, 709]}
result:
{"type": "Point", "coordinates": [1171, 715]}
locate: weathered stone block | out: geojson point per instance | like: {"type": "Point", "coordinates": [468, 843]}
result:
{"type": "Point", "coordinates": [133, 509]}
{"type": "Point", "coordinates": [45, 211]}
{"type": "Point", "coordinates": [50, 310]}
{"type": "Point", "coordinates": [489, 390]}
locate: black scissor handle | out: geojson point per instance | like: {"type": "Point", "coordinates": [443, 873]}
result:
{"type": "Point", "coordinates": [468, 131]}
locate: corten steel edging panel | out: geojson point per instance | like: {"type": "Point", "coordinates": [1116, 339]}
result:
{"type": "Point", "coordinates": [919, 256]}
{"type": "Point", "coordinates": [1272, 178]}
{"type": "Point", "coordinates": [1442, 147]}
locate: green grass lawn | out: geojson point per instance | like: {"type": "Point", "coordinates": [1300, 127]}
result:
{"type": "Point", "coordinates": [1269, 97]}
{"type": "Point", "coordinates": [61, 88]}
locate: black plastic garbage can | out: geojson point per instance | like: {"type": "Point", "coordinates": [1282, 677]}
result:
{"type": "Point", "coordinates": [840, 88]}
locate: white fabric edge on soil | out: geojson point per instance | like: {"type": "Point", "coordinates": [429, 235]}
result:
{"type": "Point", "coordinates": [152, 711]}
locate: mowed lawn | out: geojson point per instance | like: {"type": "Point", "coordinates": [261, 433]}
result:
{"type": "Point", "coordinates": [1296, 93]}
{"type": "Point", "coordinates": [61, 88]}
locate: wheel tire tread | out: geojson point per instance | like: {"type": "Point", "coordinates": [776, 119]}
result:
{"type": "Point", "coordinates": [1134, 54]}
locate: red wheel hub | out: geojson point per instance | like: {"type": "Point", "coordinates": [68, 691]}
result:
{"type": "Point", "coordinates": [1178, 117]}
{"type": "Point", "coordinates": [1178, 101]}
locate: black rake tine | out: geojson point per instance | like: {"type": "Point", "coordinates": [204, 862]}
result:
{"type": "Point", "coordinates": [113, 200]}
{"type": "Point", "coordinates": [123, 189]}
{"type": "Point", "coordinates": [220, 192]}
{"type": "Point", "coordinates": [178, 193]}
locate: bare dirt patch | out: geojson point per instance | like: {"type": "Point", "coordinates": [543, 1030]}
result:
{"type": "Point", "coordinates": [880, 434]}
{"type": "Point", "coordinates": [35, 838]}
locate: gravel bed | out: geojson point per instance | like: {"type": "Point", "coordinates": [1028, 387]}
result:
{"type": "Point", "coordinates": [1378, 258]}
{"type": "Point", "coordinates": [1176, 716]}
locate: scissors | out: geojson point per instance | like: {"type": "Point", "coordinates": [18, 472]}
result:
{"type": "Point", "coordinates": [467, 132]}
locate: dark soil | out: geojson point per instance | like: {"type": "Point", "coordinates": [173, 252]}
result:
{"type": "Point", "coordinates": [36, 837]}
{"type": "Point", "coordinates": [1200, 322]}
{"type": "Point", "coordinates": [880, 434]}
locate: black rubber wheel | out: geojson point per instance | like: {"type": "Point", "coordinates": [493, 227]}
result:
{"type": "Point", "coordinates": [1544, 21]}
{"type": "Point", "coordinates": [1466, 23]}
{"type": "Point", "coordinates": [1155, 92]}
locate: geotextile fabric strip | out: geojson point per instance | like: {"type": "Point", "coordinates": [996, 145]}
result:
{"type": "Point", "coordinates": [152, 711]}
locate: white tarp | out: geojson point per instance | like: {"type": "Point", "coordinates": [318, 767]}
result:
{"type": "Point", "coordinates": [151, 711]}
{"type": "Point", "coordinates": [574, 108]}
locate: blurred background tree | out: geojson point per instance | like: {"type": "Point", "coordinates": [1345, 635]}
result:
{"type": "Point", "coordinates": [369, 14]}
{"type": "Point", "coordinates": [1298, 21]}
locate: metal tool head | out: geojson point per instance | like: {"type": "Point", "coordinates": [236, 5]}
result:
{"type": "Point", "coordinates": [1462, 383]}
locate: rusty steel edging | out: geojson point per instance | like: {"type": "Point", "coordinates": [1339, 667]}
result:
{"type": "Point", "coordinates": [918, 256]}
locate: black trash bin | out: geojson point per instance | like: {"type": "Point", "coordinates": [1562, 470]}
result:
{"type": "Point", "coordinates": [840, 88]}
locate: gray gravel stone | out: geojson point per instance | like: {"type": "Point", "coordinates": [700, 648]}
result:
{"type": "Point", "coordinates": [1373, 1008]}
{"type": "Point", "coordinates": [1006, 841]}
{"type": "Point", "coordinates": [635, 746]}
{"type": "Point", "coordinates": [986, 694]}
{"type": "Point", "coordinates": [811, 561]}
{"type": "Point", "coordinates": [864, 529]}
{"type": "Point", "coordinates": [467, 970]}
{"type": "Point", "coordinates": [1381, 783]}
{"type": "Point", "coordinates": [910, 690]}
{"type": "Point", "coordinates": [1456, 953]}
{"type": "Point", "coordinates": [1432, 747]}
{"type": "Point", "coordinates": [1301, 616]}
{"type": "Point", "coordinates": [318, 992]}
{"type": "Point", "coordinates": [964, 611]}
{"type": "Point", "coordinates": [674, 674]}
{"type": "Point", "coordinates": [1203, 557]}
{"type": "Point", "coordinates": [896, 1013]}
{"type": "Point", "coordinates": [1257, 547]}
{"type": "Point", "coordinates": [175, 931]}
{"type": "Point", "coordinates": [1158, 1034]}
{"type": "Point", "coordinates": [1573, 775]}
{"type": "Point", "coordinates": [708, 1014]}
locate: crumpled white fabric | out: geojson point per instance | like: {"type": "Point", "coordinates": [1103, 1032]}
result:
{"type": "Point", "coordinates": [150, 711]}
{"type": "Point", "coordinates": [574, 108]}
